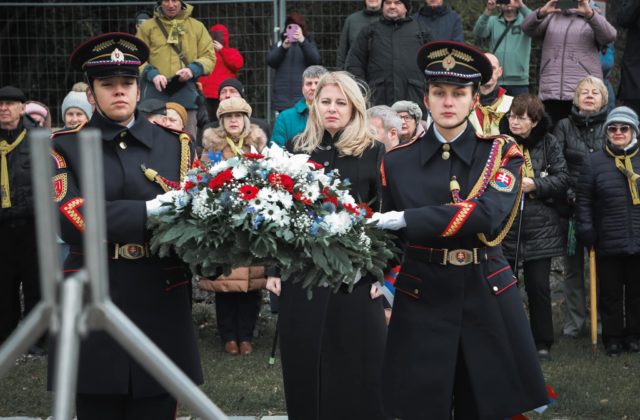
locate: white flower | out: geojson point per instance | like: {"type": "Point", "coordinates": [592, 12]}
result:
{"type": "Point", "coordinates": [202, 208]}
{"type": "Point", "coordinates": [218, 167]}
{"type": "Point", "coordinates": [274, 213]}
{"type": "Point", "coordinates": [268, 194]}
{"type": "Point", "coordinates": [337, 223]}
{"type": "Point", "coordinates": [285, 199]}
{"type": "Point", "coordinates": [311, 191]}
{"type": "Point", "coordinates": [364, 240]}
{"type": "Point", "coordinates": [239, 172]}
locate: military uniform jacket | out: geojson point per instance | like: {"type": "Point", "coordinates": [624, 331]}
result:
{"type": "Point", "coordinates": [154, 293]}
{"type": "Point", "coordinates": [443, 312]}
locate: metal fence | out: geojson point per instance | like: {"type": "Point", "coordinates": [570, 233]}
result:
{"type": "Point", "coordinates": [36, 38]}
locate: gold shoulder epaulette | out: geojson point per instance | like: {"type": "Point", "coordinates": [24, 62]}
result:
{"type": "Point", "coordinates": [68, 130]}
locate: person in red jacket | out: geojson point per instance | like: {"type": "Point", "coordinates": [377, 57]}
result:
{"type": "Point", "coordinates": [229, 62]}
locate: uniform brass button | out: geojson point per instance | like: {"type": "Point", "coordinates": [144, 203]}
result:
{"type": "Point", "coordinates": [326, 163]}
{"type": "Point", "coordinates": [416, 291]}
{"type": "Point", "coordinates": [328, 147]}
{"type": "Point", "coordinates": [123, 145]}
{"type": "Point", "coordinates": [446, 155]}
{"type": "Point", "coordinates": [495, 288]}
{"type": "Point", "coordinates": [123, 134]}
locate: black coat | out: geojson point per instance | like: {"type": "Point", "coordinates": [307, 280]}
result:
{"type": "Point", "coordinates": [629, 17]}
{"type": "Point", "coordinates": [153, 292]}
{"type": "Point", "coordinates": [443, 312]}
{"type": "Point", "coordinates": [579, 135]}
{"type": "Point", "coordinates": [289, 64]}
{"type": "Point", "coordinates": [384, 55]}
{"type": "Point", "coordinates": [442, 21]}
{"type": "Point", "coordinates": [542, 233]}
{"type": "Point", "coordinates": [605, 214]}
{"type": "Point", "coordinates": [19, 166]}
{"type": "Point", "coordinates": [332, 345]}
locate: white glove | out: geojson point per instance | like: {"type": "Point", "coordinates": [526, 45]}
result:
{"type": "Point", "coordinates": [391, 220]}
{"type": "Point", "coordinates": [155, 207]}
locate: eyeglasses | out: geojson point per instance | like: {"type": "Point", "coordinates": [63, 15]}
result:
{"type": "Point", "coordinates": [405, 117]}
{"type": "Point", "coordinates": [624, 129]}
{"type": "Point", "coordinates": [517, 117]}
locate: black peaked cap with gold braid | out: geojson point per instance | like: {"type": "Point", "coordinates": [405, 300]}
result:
{"type": "Point", "coordinates": [454, 63]}
{"type": "Point", "coordinates": [110, 54]}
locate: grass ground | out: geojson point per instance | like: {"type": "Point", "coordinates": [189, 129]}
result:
{"type": "Point", "coordinates": [589, 388]}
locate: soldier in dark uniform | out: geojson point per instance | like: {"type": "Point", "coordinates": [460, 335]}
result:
{"type": "Point", "coordinates": [459, 341]}
{"type": "Point", "coordinates": [153, 292]}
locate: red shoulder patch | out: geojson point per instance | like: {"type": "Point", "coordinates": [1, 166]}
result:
{"type": "Point", "coordinates": [58, 160]}
{"type": "Point", "coordinates": [70, 211]}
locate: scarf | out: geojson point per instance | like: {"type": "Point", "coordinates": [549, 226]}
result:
{"type": "Point", "coordinates": [527, 168]}
{"type": "Point", "coordinates": [624, 165]}
{"type": "Point", "coordinates": [5, 149]}
{"type": "Point", "coordinates": [490, 112]}
{"type": "Point", "coordinates": [237, 150]}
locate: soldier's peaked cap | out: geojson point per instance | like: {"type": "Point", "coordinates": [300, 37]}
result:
{"type": "Point", "coordinates": [110, 54]}
{"type": "Point", "coordinates": [454, 63]}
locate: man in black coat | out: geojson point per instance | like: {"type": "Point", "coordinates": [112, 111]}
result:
{"type": "Point", "coordinates": [629, 18]}
{"type": "Point", "coordinates": [458, 337]}
{"type": "Point", "coordinates": [18, 247]}
{"type": "Point", "coordinates": [153, 292]}
{"type": "Point", "coordinates": [443, 22]}
{"type": "Point", "coordinates": [383, 55]}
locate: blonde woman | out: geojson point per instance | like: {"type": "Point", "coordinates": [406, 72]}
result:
{"type": "Point", "coordinates": [237, 295]}
{"type": "Point", "coordinates": [332, 345]}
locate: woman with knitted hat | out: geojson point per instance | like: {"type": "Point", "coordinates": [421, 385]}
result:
{"type": "Point", "coordinates": [76, 109]}
{"type": "Point", "coordinates": [608, 218]}
{"type": "Point", "coordinates": [238, 294]}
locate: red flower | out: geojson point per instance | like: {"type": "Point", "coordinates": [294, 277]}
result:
{"type": "Point", "coordinates": [188, 185]}
{"type": "Point", "coordinates": [351, 208]}
{"type": "Point", "coordinates": [220, 179]}
{"type": "Point", "coordinates": [253, 155]}
{"type": "Point", "coordinates": [315, 164]}
{"type": "Point", "coordinates": [301, 198]}
{"type": "Point", "coordinates": [248, 192]}
{"type": "Point", "coordinates": [281, 180]}
{"type": "Point", "coordinates": [329, 197]}
{"type": "Point", "coordinates": [368, 210]}
{"type": "Point", "coordinates": [197, 164]}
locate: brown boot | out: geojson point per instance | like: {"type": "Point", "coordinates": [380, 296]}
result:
{"type": "Point", "coordinates": [245, 347]}
{"type": "Point", "coordinates": [231, 347]}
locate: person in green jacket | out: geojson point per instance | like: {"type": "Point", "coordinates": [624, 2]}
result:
{"type": "Point", "coordinates": [181, 50]}
{"type": "Point", "coordinates": [513, 49]}
{"type": "Point", "coordinates": [292, 121]}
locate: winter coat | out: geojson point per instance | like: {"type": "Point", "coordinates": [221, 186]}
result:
{"type": "Point", "coordinates": [384, 55]}
{"type": "Point", "coordinates": [352, 27]}
{"type": "Point", "coordinates": [229, 62]}
{"type": "Point", "coordinates": [629, 18]}
{"type": "Point", "coordinates": [19, 165]}
{"type": "Point", "coordinates": [442, 21]}
{"type": "Point", "coordinates": [570, 50]}
{"type": "Point", "coordinates": [290, 122]}
{"type": "Point", "coordinates": [240, 280]}
{"type": "Point", "coordinates": [289, 64]}
{"type": "Point", "coordinates": [579, 135]}
{"type": "Point", "coordinates": [214, 140]}
{"type": "Point", "coordinates": [605, 214]}
{"type": "Point", "coordinates": [514, 50]}
{"type": "Point", "coordinates": [197, 48]}
{"type": "Point", "coordinates": [542, 234]}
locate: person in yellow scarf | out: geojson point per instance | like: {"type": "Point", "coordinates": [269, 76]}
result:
{"type": "Point", "coordinates": [181, 50]}
{"type": "Point", "coordinates": [18, 250]}
{"type": "Point", "coordinates": [608, 219]}
{"type": "Point", "coordinates": [493, 105]}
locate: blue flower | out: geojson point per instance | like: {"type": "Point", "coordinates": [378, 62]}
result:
{"type": "Point", "coordinates": [257, 221]}
{"type": "Point", "coordinates": [328, 207]}
{"type": "Point", "coordinates": [313, 230]}
{"type": "Point", "coordinates": [214, 157]}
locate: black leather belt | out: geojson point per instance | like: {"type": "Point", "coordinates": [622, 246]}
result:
{"type": "Point", "coordinates": [458, 257]}
{"type": "Point", "coordinates": [128, 251]}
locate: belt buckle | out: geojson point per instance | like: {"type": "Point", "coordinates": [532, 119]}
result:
{"type": "Point", "coordinates": [130, 251]}
{"type": "Point", "coordinates": [460, 257]}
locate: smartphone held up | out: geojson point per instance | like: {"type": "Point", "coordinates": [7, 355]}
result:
{"type": "Point", "coordinates": [292, 29]}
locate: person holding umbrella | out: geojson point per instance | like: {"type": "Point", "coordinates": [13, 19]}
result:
{"type": "Point", "coordinates": [608, 219]}
{"type": "Point", "coordinates": [545, 179]}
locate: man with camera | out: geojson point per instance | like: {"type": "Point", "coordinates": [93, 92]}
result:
{"type": "Point", "coordinates": [181, 51]}
{"type": "Point", "coordinates": [507, 42]}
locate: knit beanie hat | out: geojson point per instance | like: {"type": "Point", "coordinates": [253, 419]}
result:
{"type": "Point", "coordinates": [407, 5]}
{"type": "Point", "coordinates": [624, 115]}
{"type": "Point", "coordinates": [409, 107]}
{"type": "Point", "coordinates": [234, 83]}
{"type": "Point", "coordinates": [77, 100]}
{"type": "Point", "coordinates": [34, 108]}
{"type": "Point", "coordinates": [231, 105]}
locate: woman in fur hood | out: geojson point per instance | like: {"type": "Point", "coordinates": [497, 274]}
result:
{"type": "Point", "coordinates": [236, 134]}
{"type": "Point", "coordinates": [238, 294]}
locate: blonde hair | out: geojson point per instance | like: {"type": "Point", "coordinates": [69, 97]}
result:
{"type": "Point", "coordinates": [595, 82]}
{"type": "Point", "coordinates": [357, 136]}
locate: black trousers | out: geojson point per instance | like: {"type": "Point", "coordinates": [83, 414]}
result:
{"type": "Point", "coordinates": [237, 314]}
{"type": "Point", "coordinates": [125, 407]}
{"type": "Point", "coordinates": [537, 286]}
{"type": "Point", "coordinates": [619, 298]}
{"type": "Point", "coordinates": [18, 265]}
